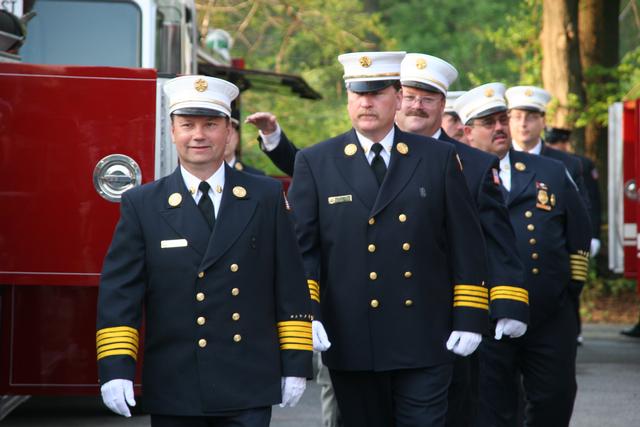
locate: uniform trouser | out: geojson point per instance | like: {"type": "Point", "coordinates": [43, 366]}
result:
{"type": "Point", "coordinates": [330, 411]}
{"type": "Point", "coordinates": [546, 357]}
{"type": "Point", "coordinates": [258, 417]}
{"type": "Point", "coordinates": [463, 392]}
{"type": "Point", "coordinates": [400, 398]}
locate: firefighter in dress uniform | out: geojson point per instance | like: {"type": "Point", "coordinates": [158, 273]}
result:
{"type": "Point", "coordinates": [393, 253]}
{"type": "Point", "coordinates": [425, 80]}
{"type": "Point", "coordinates": [551, 227]}
{"type": "Point", "coordinates": [527, 106]}
{"type": "Point", "coordinates": [211, 254]}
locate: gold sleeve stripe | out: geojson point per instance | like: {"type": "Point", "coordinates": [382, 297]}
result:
{"type": "Point", "coordinates": [471, 304]}
{"type": "Point", "coordinates": [117, 335]}
{"type": "Point", "coordinates": [579, 256]}
{"type": "Point", "coordinates": [293, 329]}
{"type": "Point", "coordinates": [105, 341]}
{"type": "Point", "coordinates": [119, 352]}
{"type": "Point", "coordinates": [308, 347]}
{"type": "Point", "coordinates": [314, 296]}
{"type": "Point", "coordinates": [313, 285]}
{"type": "Point", "coordinates": [118, 330]}
{"type": "Point", "coordinates": [299, 323]}
{"type": "Point", "coordinates": [296, 341]}
{"type": "Point", "coordinates": [480, 294]}
{"type": "Point", "coordinates": [470, 298]}
{"type": "Point", "coordinates": [514, 289]}
{"type": "Point", "coordinates": [470, 288]}
{"type": "Point", "coordinates": [314, 290]}
{"type": "Point", "coordinates": [579, 278]}
{"type": "Point", "coordinates": [117, 345]}
{"type": "Point", "coordinates": [510, 297]}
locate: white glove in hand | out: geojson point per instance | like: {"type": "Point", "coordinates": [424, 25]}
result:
{"type": "Point", "coordinates": [595, 247]}
{"type": "Point", "coordinates": [116, 394]}
{"type": "Point", "coordinates": [463, 343]}
{"type": "Point", "coordinates": [510, 327]}
{"type": "Point", "coordinates": [292, 389]}
{"type": "Point", "coordinates": [320, 340]}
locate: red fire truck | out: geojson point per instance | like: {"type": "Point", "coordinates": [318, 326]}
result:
{"type": "Point", "coordinates": [624, 195]}
{"type": "Point", "coordinates": [83, 119]}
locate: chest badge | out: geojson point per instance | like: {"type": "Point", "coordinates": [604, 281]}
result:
{"type": "Point", "coordinates": [239, 191]}
{"type": "Point", "coordinates": [520, 166]}
{"type": "Point", "coordinates": [350, 149]}
{"type": "Point", "coordinates": [402, 148]}
{"type": "Point", "coordinates": [175, 199]}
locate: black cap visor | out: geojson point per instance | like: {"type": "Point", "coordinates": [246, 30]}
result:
{"type": "Point", "coordinates": [208, 112]}
{"type": "Point", "coordinates": [528, 108]}
{"type": "Point", "coordinates": [369, 86]}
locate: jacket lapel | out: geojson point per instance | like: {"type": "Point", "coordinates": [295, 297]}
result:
{"type": "Point", "coordinates": [185, 218]}
{"type": "Point", "coordinates": [520, 179]}
{"type": "Point", "coordinates": [402, 164]}
{"type": "Point", "coordinates": [234, 214]}
{"type": "Point", "coordinates": [356, 171]}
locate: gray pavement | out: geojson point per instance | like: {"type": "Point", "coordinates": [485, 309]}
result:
{"type": "Point", "coordinates": [608, 393]}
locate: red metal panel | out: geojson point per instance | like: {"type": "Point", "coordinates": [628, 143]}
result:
{"type": "Point", "coordinates": [56, 123]}
{"type": "Point", "coordinates": [48, 340]}
{"type": "Point", "coordinates": [630, 171]}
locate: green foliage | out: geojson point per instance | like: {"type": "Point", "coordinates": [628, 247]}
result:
{"type": "Point", "coordinates": [457, 32]}
{"type": "Point", "coordinates": [303, 37]}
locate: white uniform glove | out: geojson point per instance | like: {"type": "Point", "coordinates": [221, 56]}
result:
{"type": "Point", "coordinates": [595, 247]}
{"type": "Point", "coordinates": [510, 327]}
{"type": "Point", "coordinates": [116, 394]}
{"type": "Point", "coordinates": [292, 389]}
{"type": "Point", "coordinates": [463, 343]}
{"type": "Point", "coordinates": [320, 340]}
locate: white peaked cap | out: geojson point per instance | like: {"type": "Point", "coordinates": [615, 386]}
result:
{"type": "Point", "coordinates": [481, 101]}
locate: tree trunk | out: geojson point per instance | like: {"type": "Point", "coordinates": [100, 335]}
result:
{"type": "Point", "coordinates": [598, 35]}
{"type": "Point", "coordinates": [561, 69]}
{"type": "Point", "coordinates": [599, 46]}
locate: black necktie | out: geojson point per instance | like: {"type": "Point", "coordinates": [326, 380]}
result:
{"type": "Point", "coordinates": [206, 205]}
{"type": "Point", "coordinates": [377, 164]}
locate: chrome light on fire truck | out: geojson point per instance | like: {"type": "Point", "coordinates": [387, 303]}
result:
{"type": "Point", "coordinates": [115, 174]}
{"type": "Point", "coordinates": [631, 189]}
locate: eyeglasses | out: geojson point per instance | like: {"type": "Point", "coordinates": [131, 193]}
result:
{"type": "Point", "coordinates": [422, 100]}
{"type": "Point", "coordinates": [490, 122]}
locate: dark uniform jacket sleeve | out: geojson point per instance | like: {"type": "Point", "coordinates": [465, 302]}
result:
{"type": "Point", "coordinates": [508, 294]}
{"type": "Point", "coordinates": [284, 155]}
{"type": "Point", "coordinates": [120, 300]}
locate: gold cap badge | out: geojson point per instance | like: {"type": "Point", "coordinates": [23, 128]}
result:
{"type": "Point", "coordinates": [200, 85]}
{"type": "Point", "coordinates": [528, 92]}
{"type": "Point", "coordinates": [239, 166]}
{"type": "Point", "coordinates": [350, 149]}
{"type": "Point", "coordinates": [239, 192]}
{"type": "Point", "coordinates": [421, 63]}
{"type": "Point", "coordinates": [520, 166]}
{"type": "Point", "coordinates": [402, 148]}
{"type": "Point", "coordinates": [175, 199]}
{"type": "Point", "coordinates": [365, 61]}
{"type": "Point", "coordinates": [489, 92]}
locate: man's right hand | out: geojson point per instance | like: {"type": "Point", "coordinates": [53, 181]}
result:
{"type": "Point", "coordinates": [264, 121]}
{"type": "Point", "coordinates": [320, 340]}
{"type": "Point", "coordinates": [116, 394]}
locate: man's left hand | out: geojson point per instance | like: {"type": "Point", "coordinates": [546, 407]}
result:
{"type": "Point", "coordinates": [292, 389]}
{"type": "Point", "coordinates": [463, 343]}
{"type": "Point", "coordinates": [510, 327]}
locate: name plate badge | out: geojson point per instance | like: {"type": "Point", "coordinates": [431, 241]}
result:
{"type": "Point", "coordinates": [176, 243]}
{"type": "Point", "coordinates": [340, 199]}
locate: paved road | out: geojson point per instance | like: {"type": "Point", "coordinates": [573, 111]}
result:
{"type": "Point", "coordinates": [608, 393]}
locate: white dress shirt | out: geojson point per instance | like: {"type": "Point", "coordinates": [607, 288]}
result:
{"type": "Point", "coordinates": [216, 182]}
{"type": "Point", "coordinates": [387, 143]}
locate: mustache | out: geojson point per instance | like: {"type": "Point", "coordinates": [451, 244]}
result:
{"type": "Point", "coordinates": [416, 113]}
{"type": "Point", "coordinates": [367, 113]}
{"type": "Point", "coordinates": [500, 134]}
